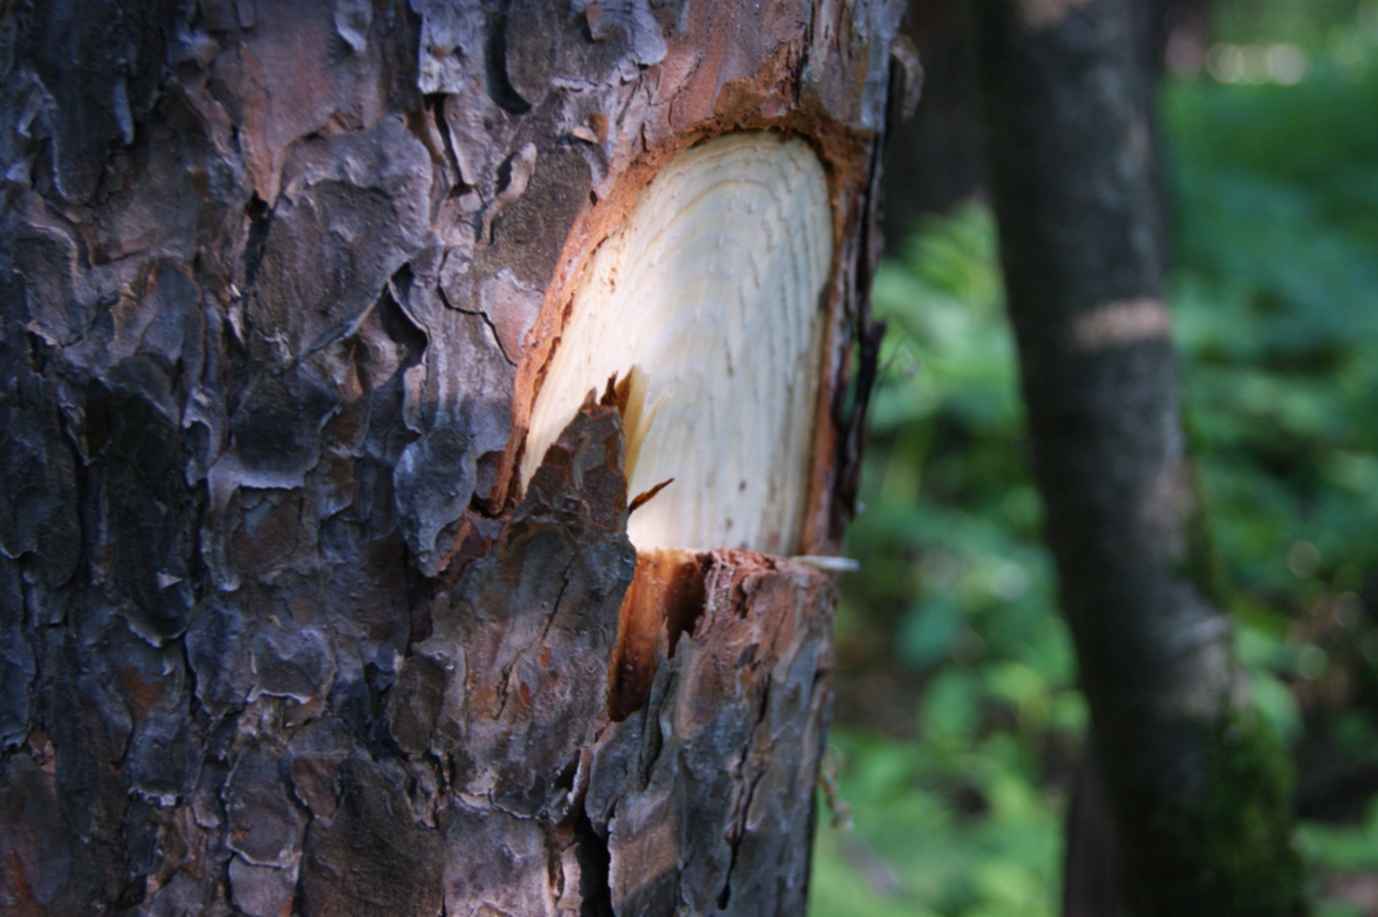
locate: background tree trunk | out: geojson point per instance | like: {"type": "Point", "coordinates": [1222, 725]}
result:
{"type": "Point", "coordinates": [279, 629]}
{"type": "Point", "coordinates": [1198, 790]}
{"type": "Point", "coordinates": [937, 159]}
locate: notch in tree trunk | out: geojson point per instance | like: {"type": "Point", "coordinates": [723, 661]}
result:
{"type": "Point", "coordinates": [709, 301]}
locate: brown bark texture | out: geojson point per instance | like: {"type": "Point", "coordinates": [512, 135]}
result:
{"type": "Point", "coordinates": [279, 633]}
{"type": "Point", "coordinates": [1197, 788]}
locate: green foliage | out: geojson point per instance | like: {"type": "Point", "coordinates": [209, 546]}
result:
{"type": "Point", "coordinates": [954, 826]}
{"type": "Point", "coordinates": [1346, 848]}
{"type": "Point", "coordinates": [1275, 294]}
{"type": "Point", "coordinates": [1315, 24]}
{"type": "Point", "coordinates": [958, 589]}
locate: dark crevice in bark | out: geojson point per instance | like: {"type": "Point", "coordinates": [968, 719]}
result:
{"type": "Point", "coordinates": [402, 328]}
{"type": "Point", "coordinates": [567, 776]}
{"type": "Point", "coordinates": [595, 865]}
{"type": "Point", "coordinates": [260, 217]}
{"type": "Point", "coordinates": [420, 621]}
{"type": "Point", "coordinates": [683, 616]}
{"type": "Point", "coordinates": [400, 283]}
{"type": "Point", "coordinates": [435, 110]}
{"type": "Point", "coordinates": [852, 403]}
{"type": "Point", "coordinates": [36, 349]}
{"type": "Point", "coordinates": [499, 86]}
{"type": "Point", "coordinates": [372, 726]}
{"type": "Point", "coordinates": [666, 599]}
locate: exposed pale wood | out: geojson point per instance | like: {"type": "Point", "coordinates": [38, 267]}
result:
{"type": "Point", "coordinates": [712, 290]}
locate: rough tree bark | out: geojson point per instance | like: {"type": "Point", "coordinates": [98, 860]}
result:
{"type": "Point", "coordinates": [286, 622]}
{"type": "Point", "coordinates": [1197, 789]}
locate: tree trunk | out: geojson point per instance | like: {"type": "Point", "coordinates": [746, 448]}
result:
{"type": "Point", "coordinates": [1197, 788]}
{"type": "Point", "coordinates": [317, 592]}
{"type": "Point", "coordinates": [937, 160]}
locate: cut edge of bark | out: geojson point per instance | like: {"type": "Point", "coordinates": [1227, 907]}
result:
{"type": "Point", "coordinates": [668, 596]}
{"type": "Point", "coordinates": [665, 599]}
